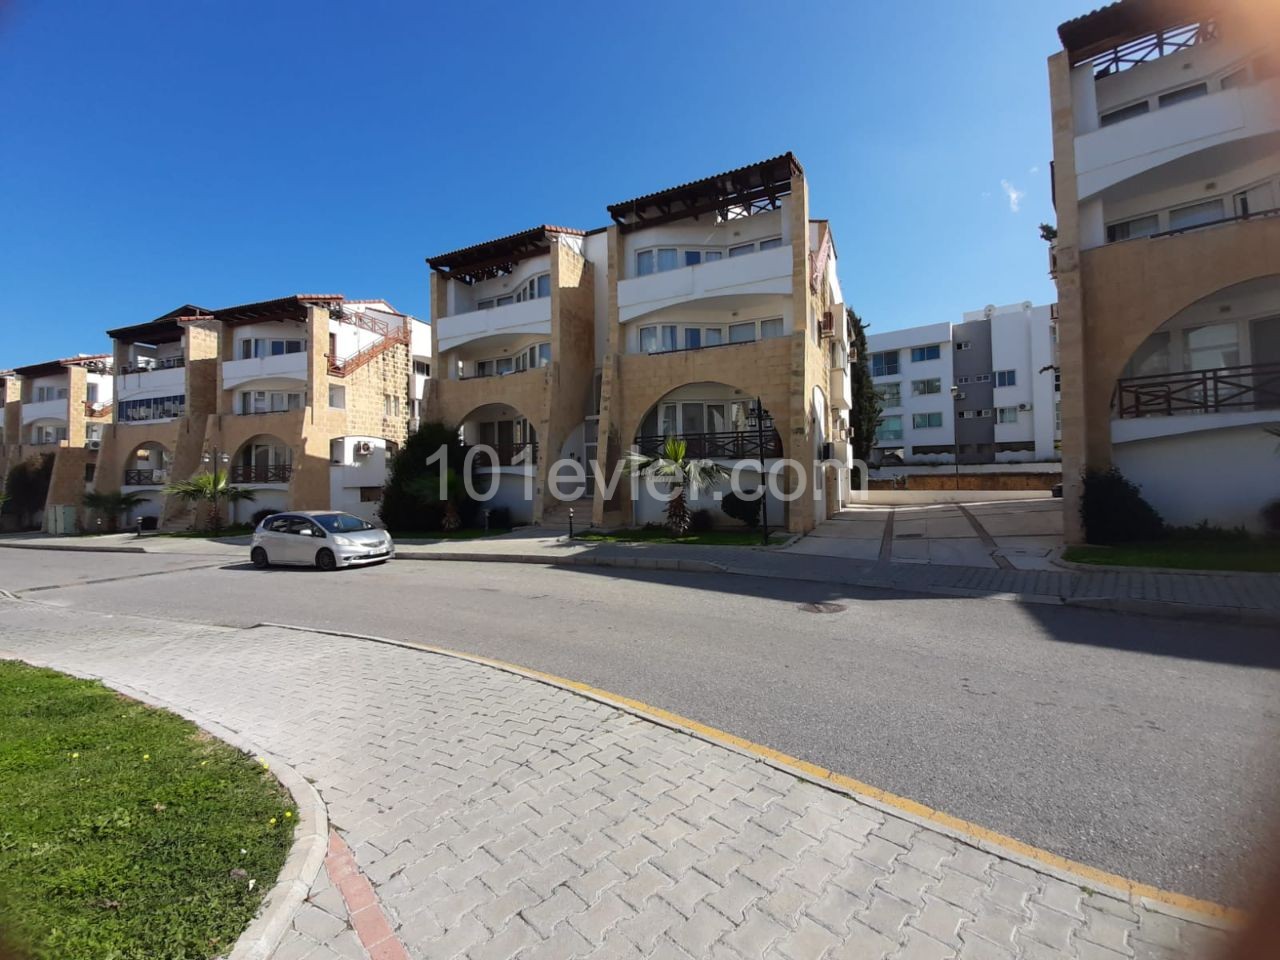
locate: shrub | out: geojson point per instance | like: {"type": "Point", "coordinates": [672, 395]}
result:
{"type": "Point", "coordinates": [1113, 510]}
{"type": "Point", "coordinates": [701, 521]}
{"type": "Point", "coordinates": [27, 487]}
{"type": "Point", "coordinates": [412, 498]}
{"type": "Point", "coordinates": [499, 518]}
{"type": "Point", "coordinates": [1271, 518]}
{"type": "Point", "coordinates": [260, 515]}
{"type": "Point", "coordinates": [743, 510]}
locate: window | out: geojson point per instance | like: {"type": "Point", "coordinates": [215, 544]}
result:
{"type": "Point", "coordinates": [154, 408]}
{"type": "Point", "coordinates": [692, 338]}
{"type": "Point", "coordinates": [1198, 213]}
{"type": "Point", "coordinates": [931, 352]}
{"type": "Point", "coordinates": [504, 365]}
{"type": "Point", "coordinates": [370, 494]}
{"type": "Point", "coordinates": [712, 255]}
{"type": "Point", "coordinates": [644, 263]}
{"type": "Point", "coordinates": [1193, 92]}
{"type": "Point", "coordinates": [1124, 113]}
{"type": "Point", "coordinates": [962, 380]}
{"type": "Point", "coordinates": [889, 429]}
{"type": "Point", "coordinates": [964, 345]}
{"type": "Point", "coordinates": [966, 414]}
{"type": "Point", "coordinates": [542, 286]}
{"type": "Point", "coordinates": [1236, 78]}
{"type": "Point", "coordinates": [252, 348]}
{"type": "Point", "coordinates": [771, 244]}
{"type": "Point", "coordinates": [337, 396]}
{"type": "Point", "coordinates": [922, 421]}
{"type": "Point", "coordinates": [692, 258]}
{"type": "Point", "coordinates": [984, 414]}
{"type": "Point", "coordinates": [1057, 381]}
{"type": "Point", "coordinates": [666, 259]}
{"type": "Point", "coordinates": [742, 332]}
{"type": "Point", "coordinates": [391, 404]}
{"type": "Point", "coordinates": [922, 388]}
{"type": "Point", "coordinates": [1057, 416]}
{"type": "Point", "coordinates": [504, 301]}
{"type": "Point", "coordinates": [1006, 415]}
{"type": "Point", "coordinates": [770, 328]}
{"type": "Point", "coordinates": [1006, 378]}
{"type": "Point", "coordinates": [648, 339]}
{"type": "Point", "coordinates": [884, 364]}
{"type": "Point", "coordinates": [91, 393]}
{"type": "Point", "coordinates": [44, 394]}
{"type": "Point", "coordinates": [485, 304]}
{"type": "Point", "coordinates": [1132, 229]}
{"type": "Point", "coordinates": [268, 401]}
{"type": "Point", "coordinates": [742, 249]}
{"type": "Point", "coordinates": [713, 336]}
{"type": "Point", "coordinates": [422, 368]}
{"type": "Point", "coordinates": [890, 394]}
{"type": "Point", "coordinates": [982, 378]}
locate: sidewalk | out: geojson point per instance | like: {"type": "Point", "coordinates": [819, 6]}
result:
{"type": "Point", "coordinates": [489, 813]}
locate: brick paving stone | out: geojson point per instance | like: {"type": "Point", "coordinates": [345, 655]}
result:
{"type": "Point", "coordinates": [498, 817]}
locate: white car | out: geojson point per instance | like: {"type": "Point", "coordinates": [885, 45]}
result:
{"type": "Point", "coordinates": [321, 538]}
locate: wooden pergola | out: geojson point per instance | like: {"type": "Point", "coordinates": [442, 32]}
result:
{"type": "Point", "coordinates": [496, 258]}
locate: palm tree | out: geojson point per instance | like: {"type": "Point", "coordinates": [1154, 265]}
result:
{"type": "Point", "coordinates": [111, 504]}
{"type": "Point", "coordinates": [211, 489]}
{"type": "Point", "coordinates": [683, 472]}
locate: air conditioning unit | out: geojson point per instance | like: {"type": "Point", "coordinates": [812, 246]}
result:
{"type": "Point", "coordinates": [1024, 406]}
{"type": "Point", "coordinates": [959, 395]}
{"type": "Point", "coordinates": [364, 448]}
{"type": "Point", "coordinates": [93, 444]}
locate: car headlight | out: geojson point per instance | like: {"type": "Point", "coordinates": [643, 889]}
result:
{"type": "Point", "coordinates": [344, 542]}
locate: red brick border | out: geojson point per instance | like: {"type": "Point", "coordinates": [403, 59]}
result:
{"type": "Point", "coordinates": [370, 923]}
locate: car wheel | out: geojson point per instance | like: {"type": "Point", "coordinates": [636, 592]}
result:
{"type": "Point", "coordinates": [259, 558]}
{"type": "Point", "coordinates": [325, 560]}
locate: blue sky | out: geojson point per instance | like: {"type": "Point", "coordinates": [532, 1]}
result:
{"type": "Point", "coordinates": [154, 154]}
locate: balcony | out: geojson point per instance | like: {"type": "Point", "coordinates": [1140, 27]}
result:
{"type": "Point", "coordinates": [146, 478]}
{"type": "Point", "coordinates": [732, 445]}
{"type": "Point", "coordinates": [45, 410]}
{"type": "Point", "coordinates": [529, 316]}
{"type": "Point", "coordinates": [287, 366]}
{"type": "Point", "coordinates": [1112, 154]}
{"type": "Point", "coordinates": [508, 455]}
{"type": "Point", "coordinates": [765, 272]}
{"type": "Point", "coordinates": [841, 388]}
{"type": "Point", "coordinates": [279, 473]}
{"type": "Point", "coordinates": [165, 379]}
{"type": "Point", "coordinates": [1225, 389]}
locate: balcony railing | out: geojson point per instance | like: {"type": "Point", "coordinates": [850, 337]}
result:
{"type": "Point", "coordinates": [146, 366]}
{"type": "Point", "coordinates": [737, 445]}
{"type": "Point", "coordinates": [1250, 387]}
{"type": "Point", "coordinates": [145, 478]}
{"type": "Point", "coordinates": [509, 455]}
{"type": "Point", "coordinates": [97, 411]}
{"type": "Point", "coordinates": [280, 473]}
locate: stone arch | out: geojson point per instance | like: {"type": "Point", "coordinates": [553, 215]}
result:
{"type": "Point", "coordinates": [147, 463]}
{"type": "Point", "coordinates": [262, 458]}
{"type": "Point", "coordinates": [714, 390]}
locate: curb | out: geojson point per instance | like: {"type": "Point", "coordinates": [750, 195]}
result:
{"type": "Point", "coordinates": [310, 837]}
{"type": "Point", "coordinates": [1168, 903]}
{"type": "Point", "coordinates": [1172, 610]}
{"type": "Point", "coordinates": [578, 560]}
{"type": "Point", "coordinates": [1078, 567]}
{"type": "Point", "coordinates": [74, 548]}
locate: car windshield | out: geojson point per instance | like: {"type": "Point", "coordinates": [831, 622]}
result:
{"type": "Point", "coordinates": [342, 523]}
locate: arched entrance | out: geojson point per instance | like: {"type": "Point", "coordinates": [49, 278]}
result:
{"type": "Point", "coordinates": [147, 465]}
{"type": "Point", "coordinates": [510, 468]}
{"type": "Point", "coordinates": [262, 459]}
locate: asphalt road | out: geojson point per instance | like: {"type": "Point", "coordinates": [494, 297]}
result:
{"type": "Point", "coordinates": [1145, 747]}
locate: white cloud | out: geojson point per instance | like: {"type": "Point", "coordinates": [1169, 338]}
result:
{"type": "Point", "coordinates": [1014, 194]}
{"type": "Point", "coordinates": [1034, 170]}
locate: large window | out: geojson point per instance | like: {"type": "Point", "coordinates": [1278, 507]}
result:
{"type": "Point", "coordinates": [889, 429]}
{"type": "Point", "coordinates": [920, 354]}
{"type": "Point", "coordinates": [1132, 229]}
{"type": "Point", "coordinates": [535, 288]}
{"type": "Point", "coordinates": [1006, 378]}
{"type": "Point", "coordinates": [153, 408]}
{"type": "Point", "coordinates": [742, 332]}
{"type": "Point", "coordinates": [1185, 218]}
{"type": "Point", "coordinates": [250, 348]}
{"type": "Point", "coordinates": [1193, 92]}
{"type": "Point", "coordinates": [890, 394]}
{"type": "Point", "coordinates": [1006, 415]}
{"type": "Point", "coordinates": [1124, 113]}
{"type": "Point", "coordinates": [268, 401]}
{"type": "Point", "coordinates": [770, 328]}
{"type": "Point", "coordinates": [923, 421]}
{"type": "Point", "coordinates": [884, 364]}
{"type": "Point", "coordinates": [924, 388]}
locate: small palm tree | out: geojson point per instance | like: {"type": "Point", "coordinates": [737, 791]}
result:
{"type": "Point", "coordinates": [112, 504]}
{"type": "Point", "coordinates": [683, 472]}
{"type": "Point", "coordinates": [211, 489]}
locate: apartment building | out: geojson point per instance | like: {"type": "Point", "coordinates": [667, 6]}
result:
{"type": "Point", "coordinates": [980, 391]}
{"type": "Point", "coordinates": [300, 399]}
{"type": "Point", "coordinates": [709, 311]}
{"type": "Point", "coordinates": [1166, 145]}
{"type": "Point", "coordinates": [59, 407]}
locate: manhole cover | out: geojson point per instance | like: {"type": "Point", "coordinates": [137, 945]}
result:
{"type": "Point", "coordinates": [823, 607]}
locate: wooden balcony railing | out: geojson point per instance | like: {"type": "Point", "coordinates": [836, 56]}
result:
{"type": "Point", "coordinates": [145, 478]}
{"type": "Point", "coordinates": [280, 473]}
{"type": "Point", "coordinates": [718, 446]}
{"type": "Point", "coordinates": [1249, 387]}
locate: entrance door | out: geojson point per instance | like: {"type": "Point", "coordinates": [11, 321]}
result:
{"type": "Point", "coordinates": [1265, 341]}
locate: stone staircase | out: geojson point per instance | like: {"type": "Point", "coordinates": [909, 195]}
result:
{"type": "Point", "coordinates": [556, 516]}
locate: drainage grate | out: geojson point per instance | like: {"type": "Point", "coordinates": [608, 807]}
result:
{"type": "Point", "coordinates": [823, 606]}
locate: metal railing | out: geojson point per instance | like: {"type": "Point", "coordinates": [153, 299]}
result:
{"type": "Point", "coordinates": [145, 478]}
{"type": "Point", "coordinates": [735, 445]}
{"type": "Point", "coordinates": [1247, 387]}
{"type": "Point", "coordinates": [1253, 215]}
{"type": "Point", "coordinates": [509, 455]}
{"type": "Point", "coordinates": [167, 363]}
{"type": "Point", "coordinates": [280, 473]}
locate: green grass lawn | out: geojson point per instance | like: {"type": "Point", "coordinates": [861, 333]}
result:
{"type": "Point", "coordinates": [1250, 555]}
{"type": "Point", "coordinates": [712, 538]}
{"type": "Point", "coordinates": [235, 530]}
{"type": "Point", "coordinates": [126, 832]}
{"type": "Point", "coordinates": [467, 534]}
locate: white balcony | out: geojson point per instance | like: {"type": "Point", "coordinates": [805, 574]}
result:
{"type": "Point", "coordinates": [45, 410]}
{"type": "Point", "coordinates": [841, 389]}
{"type": "Point", "coordinates": [289, 366]}
{"type": "Point", "coordinates": [763, 272]}
{"type": "Point", "coordinates": [164, 382]}
{"type": "Point", "coordinates": [1113, 154]}
{"type": "Point", "coordinates": [529, 316]}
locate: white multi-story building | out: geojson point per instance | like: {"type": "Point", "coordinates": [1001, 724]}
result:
{"type": "Point", "coordinates": [983, 390]}
{"type": "Point", "coordinates": [1166, 125]}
